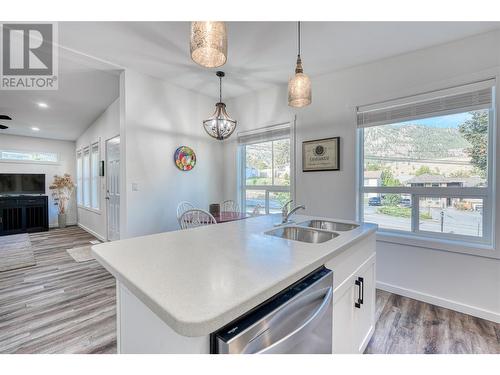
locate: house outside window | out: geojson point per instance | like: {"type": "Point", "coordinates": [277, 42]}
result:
{"type": "Point", "coordinates": [427, 163]}
{"type": "Point", "coordinates": [265, 169]}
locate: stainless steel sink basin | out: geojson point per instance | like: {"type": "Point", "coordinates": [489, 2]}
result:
{"type": "Point", "coordinates": [302, 234]}
{"type": "Point", "coordinates": [328, 225]}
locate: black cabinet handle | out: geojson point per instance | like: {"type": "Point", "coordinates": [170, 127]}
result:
{"type": "Point", "coordinates": [361, 292]}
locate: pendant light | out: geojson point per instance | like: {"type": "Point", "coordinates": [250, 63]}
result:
{"type": "Point", "coordinates": [220, 125]}
{"type": "Point", "coordinates": [299, 87]}
{"type": "Point", "coordinates": [209, 43]}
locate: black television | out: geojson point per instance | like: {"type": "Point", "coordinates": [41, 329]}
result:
{"type": "Point", "coordinates": [22, 183]}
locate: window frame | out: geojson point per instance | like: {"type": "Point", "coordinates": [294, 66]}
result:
{"type": "Point", "coordinates": [86, 179]}
{"type": "Point", "coordinates": [484, 245]}
{"type": "Point", "coordinates": [243, 188]}
{"type": "Point", "coordinates": [95, 179]}
{"type": "Point", "coordinates": [47, 162]}
{"type": "Point", "coordinates": [79, 177]}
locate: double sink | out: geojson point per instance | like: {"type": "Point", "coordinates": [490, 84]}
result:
{"type": "Point", "coordinates": [312, 231]}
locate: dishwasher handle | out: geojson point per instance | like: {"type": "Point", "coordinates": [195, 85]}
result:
{"type": "Point", "coordinates": [303, 330]}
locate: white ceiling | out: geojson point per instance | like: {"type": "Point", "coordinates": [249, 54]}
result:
{"type": "Point", "coordinates": [86, 88]}
{"type": "Point", "coordinates": [260, 53]}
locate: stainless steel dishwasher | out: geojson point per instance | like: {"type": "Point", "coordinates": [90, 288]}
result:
{"type": "Point", "coordinates": [297, 320]}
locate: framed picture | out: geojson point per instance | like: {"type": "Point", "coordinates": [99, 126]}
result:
{"type": "Point", "coordinates": [321, 155]}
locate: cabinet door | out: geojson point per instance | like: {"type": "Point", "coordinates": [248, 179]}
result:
{"type": "Point", "coordinates": [343, 318]}
{"type": "Point", "coordinates": [364, 315]}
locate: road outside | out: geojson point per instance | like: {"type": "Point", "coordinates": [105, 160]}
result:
{"type": "Point", "coordinates": [468, 223]}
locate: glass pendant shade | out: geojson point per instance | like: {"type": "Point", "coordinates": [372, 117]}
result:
{"type": "Point", "coordinates": [220, 125]}
{"type": "Point", "coordinates": [209, 43]}
{"type": "Point", "coordinates": [299, 88]}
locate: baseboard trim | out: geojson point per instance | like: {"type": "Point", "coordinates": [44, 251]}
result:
{"type": "Point", "coordinates": [52, 226]}
{"type": "Point", "coordinates": [442, 302]}
{"type": "Point", "coordinates": [97, 235]}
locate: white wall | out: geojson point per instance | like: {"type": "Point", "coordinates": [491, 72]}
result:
{"type": "Point", "coordinates": [464, 282]}
{"type": "Point", "coordinates": [160, 117]}
{"type": "Point", "coordinates": [66, 151]}
{"type": "Point", "coordinates": [105, 127]}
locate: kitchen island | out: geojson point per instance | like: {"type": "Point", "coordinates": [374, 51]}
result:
{"type": "Point", "coordinates": [176, 288]}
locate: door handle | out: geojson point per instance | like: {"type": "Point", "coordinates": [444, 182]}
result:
{"type": "Point", "coordinates": [303, 330]}
{"type": "Point", "coordinates": [360, 283]}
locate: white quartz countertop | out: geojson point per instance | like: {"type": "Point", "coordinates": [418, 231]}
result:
{"type": "Point", "coordinates": [201, 279]}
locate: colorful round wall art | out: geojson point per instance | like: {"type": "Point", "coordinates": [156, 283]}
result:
{"type": "Point", "coordinates": [185, 158]}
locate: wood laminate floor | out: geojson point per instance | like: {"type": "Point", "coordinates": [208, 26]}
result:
{"type": "Point", "coordinates": [58, 305]}
{"type": "Point", "coordinates": [61, 306]}
{"type": "Point", "coordinates": [408, 326]}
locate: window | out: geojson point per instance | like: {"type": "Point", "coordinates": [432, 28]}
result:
{"type": "Point", "coordinates": [426, 164]}
{"type": "Point", "coordinates": [86, 177]}
{"type": "Point", "coordinates": [79, 179]}
{"type": "Point", "coordinates": [265, 169]}
{"type": "Point", "coordinates": [29, 156]}
{"type": "Point", "coordinates": [95, 176]}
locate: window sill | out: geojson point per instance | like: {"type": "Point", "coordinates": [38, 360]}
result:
{"type": "Point", "coordinates": [90, 209]}
{"type": "Point", "coordinates": [462, 247]}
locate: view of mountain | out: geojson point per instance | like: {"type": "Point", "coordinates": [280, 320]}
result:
{"type": "Point", "coordinates": [414, 142]}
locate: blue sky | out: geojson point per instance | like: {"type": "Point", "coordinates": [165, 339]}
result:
{"type": "Point", "coordinates": [449, 121]}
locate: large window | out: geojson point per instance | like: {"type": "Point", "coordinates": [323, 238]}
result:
{"type": "Point", "coordinates": [426, 164]}
{"type": "Point", "coordinates": [265, 169]}
{"type": "Point", "coordinates": [79, 177]}
{"type": "Point", "coordinates": [87, 176]}
{"type": "Point", "coordinates": [94, 182]}
{"type": "Point", "coordinates": [29, 156]}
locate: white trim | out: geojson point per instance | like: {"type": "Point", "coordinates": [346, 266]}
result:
{"type": "Point", "coordinates": [433, 243]}
{"type": "Point", "coordinates": [55, 226]}
{"type": "Point", "coordinates": [30, 162]}
{"type": "Point", "coordinates": [442, 302]}
{"type": "Point", "coordinates": [96, 235]}
{"type": "Point", "coordinates": [88, 208]}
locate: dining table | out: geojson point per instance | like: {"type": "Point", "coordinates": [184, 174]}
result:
{"type": "Point", "coordinates": [226, 216]}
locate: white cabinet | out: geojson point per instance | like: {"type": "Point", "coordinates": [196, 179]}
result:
{"type": "Point", "coordinates": [354, 300]}
{"type": "Point", "coordinates": [364, 310]}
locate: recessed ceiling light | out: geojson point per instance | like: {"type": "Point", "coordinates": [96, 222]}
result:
{"type": "Point", "coordinates": [35, 129]}
{"type": "Point", "coordinates": [43, 105]}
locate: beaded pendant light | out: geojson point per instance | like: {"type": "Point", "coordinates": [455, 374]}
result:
{"type": "Point", "coordinates": [209, 43]}
{"type": "Point", "coordinates": [299, 86]}
{"type": "Point", "coordinates": [220, 125]}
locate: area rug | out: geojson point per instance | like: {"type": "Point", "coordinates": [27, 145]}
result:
{"type": "Point", "coordinates": [81, 254]}
{"type": "Point", "coordinates": [16, 252]}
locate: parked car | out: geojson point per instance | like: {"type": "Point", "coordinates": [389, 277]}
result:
{"type": "Point", "coordinates": [374, 201]}
{"type": "Point", "coordinates": [405, 202]}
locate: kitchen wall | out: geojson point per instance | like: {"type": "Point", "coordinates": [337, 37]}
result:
{"type": "Point", "coordinates": [463, 282]}
{"type": "Point", "coordinates": [158, 118]}
{"type": "Point", "coordinates": [106, 126]}
{"type": "Point", "coordinates": [66, 151]}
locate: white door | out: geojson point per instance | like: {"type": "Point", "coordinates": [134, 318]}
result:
{"type": "Point", "coordinates": [113, 187]}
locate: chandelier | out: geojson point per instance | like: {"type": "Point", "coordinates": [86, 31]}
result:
{"type": "Point", "coordinates": [220, 125]}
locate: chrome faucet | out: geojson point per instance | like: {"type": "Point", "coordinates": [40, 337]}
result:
{"type": "Point", "coordinates": [285, 214]}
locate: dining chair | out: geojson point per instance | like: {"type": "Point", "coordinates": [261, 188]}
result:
{"type": "Point", "coordinates": [196, 218]}
{"type": "Point", "coordinates": [183, 207]}
{"type": "Point", "coordinates": [229, 206]}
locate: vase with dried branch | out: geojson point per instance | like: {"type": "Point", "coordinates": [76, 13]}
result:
{"type": "Point", "coordinates": [62, 189]}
